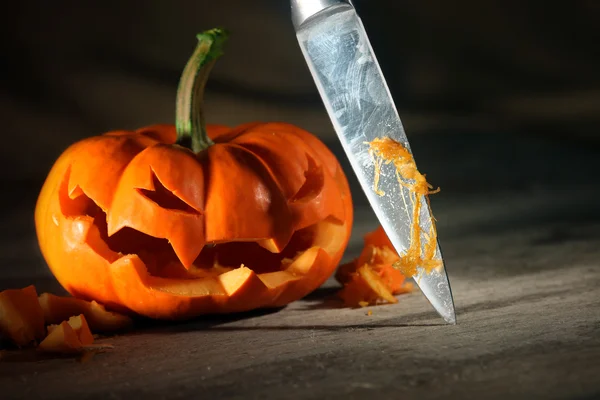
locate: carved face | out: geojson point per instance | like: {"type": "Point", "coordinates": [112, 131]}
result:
{"type": "Point", "coordinates": [133, 221]}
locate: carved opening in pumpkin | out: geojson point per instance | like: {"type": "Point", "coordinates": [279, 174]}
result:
{"type": "Point", "coordinates": [165, 198]}
{"type": "Point", "coordinates": [315, 179]}
{"type": "Point", "coordinates": [215, 259]}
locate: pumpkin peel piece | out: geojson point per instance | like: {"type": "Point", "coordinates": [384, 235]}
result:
{"type": "Point", "coordinates": [71, 336]}
{"type": "Point", "coordinates": [59, 308]}
{"type": "Point", "coordinates": [365, 287]}
{"type": "Point", "coordinates": [21, 317]}
{"type": "Point", "coordinates": [369, 278]}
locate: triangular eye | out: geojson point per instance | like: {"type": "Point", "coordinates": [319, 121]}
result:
{"type": "Point", "coordinates": [313, 185]}
{"type": "Point", "coordinates": [166, 199]}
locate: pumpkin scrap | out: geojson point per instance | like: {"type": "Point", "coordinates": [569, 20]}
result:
{"type": "Point", "coordinates": [60, 308]}
{"type": "Point", "coordinates": [364, 288]}
{"type": "Point", "coordinates": [176, 221]}
{"type": "Point", "coordinates": [70, 336]}
{"type": "Point", "coordinates": [21, 317]}
{"type": "Point", "coordinates": [371, 278]}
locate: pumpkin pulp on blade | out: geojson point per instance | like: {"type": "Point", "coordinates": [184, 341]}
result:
{"type": "Point", "coordinates": [421, 252]}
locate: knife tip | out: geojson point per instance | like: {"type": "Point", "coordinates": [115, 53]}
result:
{"type": "Point", "coordinates": [451, 320]}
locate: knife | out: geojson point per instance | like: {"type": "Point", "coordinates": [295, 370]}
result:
{"type": "Point", "coordinates": [340, 58]}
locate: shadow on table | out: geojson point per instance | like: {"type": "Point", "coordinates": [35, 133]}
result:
{"type": "Point", "coordinates": [322, 298]}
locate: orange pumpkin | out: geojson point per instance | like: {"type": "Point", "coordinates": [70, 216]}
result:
{"type": "Point", "coordinates": [174, 222]}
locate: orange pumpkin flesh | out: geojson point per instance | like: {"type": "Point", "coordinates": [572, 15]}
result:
{"type": "Point", "coordinates": [58, 308]}
{"type": "Point", "coordinates": [250, 217]}
{"type": "Point", "coordinates": [371, 278]}
{"type": "Point", "coordinates": [70, 336]}
{"type": "Point", "coordinates": [21, 317]}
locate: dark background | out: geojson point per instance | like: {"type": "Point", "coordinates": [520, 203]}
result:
{"type": "Point", "coordinates": [501, 103]}
{"type": "Point", "coordinates": [499, 98]}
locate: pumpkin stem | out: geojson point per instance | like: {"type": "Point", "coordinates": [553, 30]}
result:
{"type": "Point", "coordinates": [189, 122]}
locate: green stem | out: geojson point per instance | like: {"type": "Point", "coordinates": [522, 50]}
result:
{"type": "Point", "coordinates": [189, 115]}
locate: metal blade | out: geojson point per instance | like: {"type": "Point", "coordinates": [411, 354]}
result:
{"type": "Point", "coordinates": [360, 106]}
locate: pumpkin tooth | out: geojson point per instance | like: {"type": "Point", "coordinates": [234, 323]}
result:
{"type": "Point", "coordinates": [233, 280]}
{"type": "Point", "coordinates": [278, 282]}
{"type": "Point", "coordinates": [245, 289]}
{"type": "Point", "coordinates": [275, 245]}
{"type": "Point", "coordinates": [277, 279]}
{"type": "Point", "coordinates": [312, 268]}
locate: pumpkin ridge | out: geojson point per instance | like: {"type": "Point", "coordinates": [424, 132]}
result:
{"type": "Point", "coordinates": [324, 153]}
{"type": "Point", "coordinates": [235, 133]}
{"type": "Point", "coordinates": [265, 164]}
{"type": "Point", "coordinates": [269, 206]}
{"type": "Point", "coordinates": [263, 153]}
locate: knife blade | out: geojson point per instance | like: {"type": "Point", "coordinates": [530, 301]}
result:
{"type": "Point", "coordinates": [349, 79]}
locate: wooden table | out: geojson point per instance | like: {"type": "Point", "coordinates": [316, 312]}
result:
{"type": "Point", "coordinates": [524, 268]}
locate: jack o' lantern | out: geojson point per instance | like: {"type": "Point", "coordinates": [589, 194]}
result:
{"type": "Point", "coordinates": [173, 222]}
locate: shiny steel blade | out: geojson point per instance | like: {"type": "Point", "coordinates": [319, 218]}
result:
{"type": "Point", "coordinates": [360, 106]}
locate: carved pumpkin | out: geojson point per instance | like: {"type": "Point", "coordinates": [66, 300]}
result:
{"type": "Point", "coordinates": [174, 222]}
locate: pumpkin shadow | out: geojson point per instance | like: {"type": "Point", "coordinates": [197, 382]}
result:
{"type": "Point", "coordinates": [205, 322]}
{"type": "Point", "coordinates": [15, 355]}
{"type": "Point", "coordinates": [220, 325]}
{"type": "Point", "coordinates": [327, 328]}
{"type": "Point", "coordinates": [322, 298]}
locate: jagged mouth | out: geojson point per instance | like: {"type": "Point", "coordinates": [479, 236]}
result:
{"type": "Point", "coordinates": [214, 259]}
{"type": "Point", "coordinates": [217, 262]}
